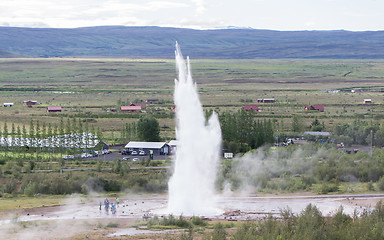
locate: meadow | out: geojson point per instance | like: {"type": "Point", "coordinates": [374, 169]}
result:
{"type": "Point", "coordinates": [90, 88]}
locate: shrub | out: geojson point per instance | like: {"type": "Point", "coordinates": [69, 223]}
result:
{"type": "Point", "coordinates": [170, 221]}
{"type": "Point", "coordinates": [112, 225]}
{"type": "Point", "coordinates": [11, 186]}
{"type": "Point", "coordinates": [327, 187]}
{"type": "Point", "coordinates": [198, 221]}
{"type": "Point", "coordinates": [31, 189]}
{"type": "Point", "coordinates": [219, 232]}
{"type": "Point", "coordinates": [380, 184]}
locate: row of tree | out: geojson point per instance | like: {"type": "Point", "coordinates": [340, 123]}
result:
{"type": "Point", "coordinates": [360, 132]}
{"type": "Point", "coordinates": [241, 132]}
{"type": "Point", "coordinates": [146, 129]}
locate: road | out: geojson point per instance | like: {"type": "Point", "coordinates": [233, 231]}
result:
{"type": "Point", "coordinates": [103, 169]}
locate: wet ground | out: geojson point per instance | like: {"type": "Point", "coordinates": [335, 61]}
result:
{"type": "Point", "coordinates": [251, 206]}
{"type": "Point", "coordinates": [233, 208]}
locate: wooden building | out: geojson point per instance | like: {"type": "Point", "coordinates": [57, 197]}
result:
{"type": "Point", "coordinates": [54, 109]}
{"type": "Point", "coordinates": [319, 108]}
{"type": "Point", "coordinates": [130, 109]}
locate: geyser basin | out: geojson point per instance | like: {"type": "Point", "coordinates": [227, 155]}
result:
{"type": "Point", "coordinates": [191, 188]}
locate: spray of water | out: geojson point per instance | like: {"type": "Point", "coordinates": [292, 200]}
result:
{"type": "Point", "coordinates": [192, 185]}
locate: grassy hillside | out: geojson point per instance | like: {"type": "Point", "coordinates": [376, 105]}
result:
{"type": "Point", "coordinates": [156, 42]}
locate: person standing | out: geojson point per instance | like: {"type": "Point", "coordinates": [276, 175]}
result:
{"type": "Point", "coordinates": [117, 202]}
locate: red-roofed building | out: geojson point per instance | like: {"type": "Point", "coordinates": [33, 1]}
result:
{"type": "Point", "coordinates": [319, 108]}
{"type": "Point", "coordinates": [251, 107]}
{"type": "Point", "coordinates": [54, 109]}
{"type": "Point", "coordinates": [29, 103]}
{"type": "Point", "coordinates": [130, 108]}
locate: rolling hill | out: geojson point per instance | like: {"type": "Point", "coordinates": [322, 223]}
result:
{"type": "Point", "coordinates": [158, 42]}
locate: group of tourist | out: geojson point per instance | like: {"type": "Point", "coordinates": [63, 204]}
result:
{"type": "Point", "coordinates": [107, 204]}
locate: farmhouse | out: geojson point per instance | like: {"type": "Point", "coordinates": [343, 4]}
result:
{"type": "Point", "coordinates": [319, 108]}
{"type": "Point", "coordinates": [29, 103]}
{"type": "Point", "coordinates": [130, 109]}
{"type": "Point", "coordinates": [367, 100]}
{"type": "Point", "coordinates": [8, 104]}
{"type": "Point", "coordinates": [266, 100]}
{"type": "Point", "coordinates": [158, 148]}
{"type": "Point", "coordinates": [251, 107]}
{"type": "Point", "coordinates": [54, 109]}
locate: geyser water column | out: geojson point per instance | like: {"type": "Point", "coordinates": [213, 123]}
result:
{"type": "Point", "coordinates": [191, 189]}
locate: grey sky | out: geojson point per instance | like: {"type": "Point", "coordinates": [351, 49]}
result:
{"type": "Point", "coordinates": [356, 15]}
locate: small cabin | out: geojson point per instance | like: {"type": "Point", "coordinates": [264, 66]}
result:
{"type": "Point", "coordinates": [319, 108]}
{"type": "Point", "coordinates": [368, 100]}
{"type": "Point", "coordinates": [8, 104]}
{"type": "Point", "coordinates": [130, 109]}
{"type": "Point", "coordinates": [266, 100]}
{"type": "Point", "coordinates": [54, 109]}
{"type": "Point", "coordinates": [29, 103]}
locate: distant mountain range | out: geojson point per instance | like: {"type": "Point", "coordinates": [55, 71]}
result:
{"type": "Point", "coordinates": [158, 42]}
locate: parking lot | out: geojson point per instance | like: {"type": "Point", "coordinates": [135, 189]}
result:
{"type": "Point", "coordinates": [115, 153]}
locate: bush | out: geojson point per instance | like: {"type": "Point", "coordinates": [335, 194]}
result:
{"type": "Point", "coordinates": [10, 186]}
{"type": "Point", "coordinates": [31, 189]}
{"type": "Point", "coordinates": [170, 221]}
{"type": "Point", "coordinates": [219, 232]}
{"type": "Point", "coordinates": [198, 221]}
{"type": "Point", "coordinates": [327, 187]}
{"type": "Point", "coordinates": [112, 225]}
{"type": "Point", "coordinates": [380, 184]}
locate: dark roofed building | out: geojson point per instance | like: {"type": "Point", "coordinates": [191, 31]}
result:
{"type": "Point", "coordinates": [151, 100]}
{"type": "Point", "coordinates": [266, 100]}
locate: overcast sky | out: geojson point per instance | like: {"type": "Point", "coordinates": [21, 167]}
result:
{"type": "Point", "coordinates": [355, 15]}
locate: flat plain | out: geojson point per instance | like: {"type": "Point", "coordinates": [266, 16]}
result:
{"type": "Point", "coordinates": [90, 88]}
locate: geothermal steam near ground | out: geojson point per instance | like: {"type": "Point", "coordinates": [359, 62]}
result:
{"type": "Point", "coordinates": [192, 186]}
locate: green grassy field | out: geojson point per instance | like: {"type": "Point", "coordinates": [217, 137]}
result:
{"type": "Point", "coordinates": [91, 87]}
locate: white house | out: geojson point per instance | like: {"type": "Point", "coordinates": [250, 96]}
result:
{"type": "Point", "coordinates": [158, 148]}
{"type": "Point", "coordinates": [173, 146]}
{"type": "Point", "coordinates": [8, 104]}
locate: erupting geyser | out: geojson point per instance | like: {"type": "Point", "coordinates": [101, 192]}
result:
{"type": "Point", "coordinates": [192, 186]}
